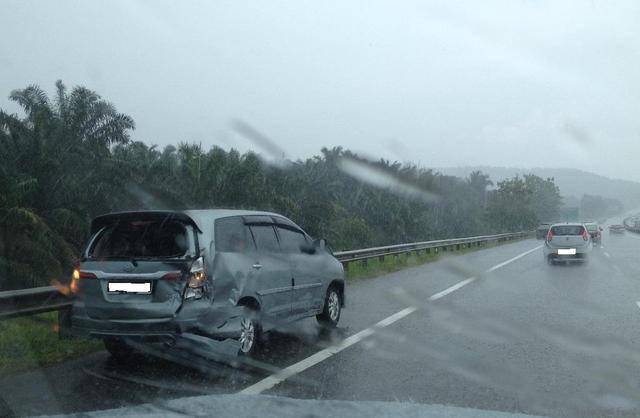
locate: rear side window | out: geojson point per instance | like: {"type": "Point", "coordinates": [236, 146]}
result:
{"type": "Point", "coordinates": [567, 230]}
{"type": "Point", "coordinates": [265, 237]}
{"type": "Point", "coordinates": [144, 239]}
{"type": "Point", "coordinates": [290, 240]}
{"type": "Point", "coordinates": [233, 236]}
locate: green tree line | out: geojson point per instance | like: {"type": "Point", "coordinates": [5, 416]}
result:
{"type": "Point", "coordinates": [70, 157]}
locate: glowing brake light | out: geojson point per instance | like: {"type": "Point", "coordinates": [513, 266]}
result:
{"type": "Point", "coordinates": [77, 276]}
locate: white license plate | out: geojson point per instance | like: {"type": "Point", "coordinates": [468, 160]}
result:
{"type": "Point", "coordinates": [125, 287]}
{"type": "Point", "coordinates": [566, 251]}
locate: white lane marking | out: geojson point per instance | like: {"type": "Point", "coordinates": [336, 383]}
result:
{"type": "Point", "coordinates": [638, 303]}
{"type": "Point", "coordinates": [453, 288]}
{"type": "Point", "coordinates": [270, 381]}
{"type": "Point", "coordinates": [471, 279]}
{"type": "Point", "coordinates": [511, 260]}
{"type": "Point", "coordinates": [606, 254]}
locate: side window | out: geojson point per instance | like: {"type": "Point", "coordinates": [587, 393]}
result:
{"type": "Point", "coordinates": [265, 237]}
{"type": "Point", "coordinates": [232, 236]}
{"type": "Point", "coordinates": [290, 240]}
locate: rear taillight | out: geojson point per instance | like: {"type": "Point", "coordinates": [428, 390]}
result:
{"type": "Point", "coordinates": [549, 235]}
{"type": "Point", "coordinates": [585, 235]}
{"type": "Point", "coordinates": [197, 280]}
{"type": "Point", "coordinates": [77, 276]}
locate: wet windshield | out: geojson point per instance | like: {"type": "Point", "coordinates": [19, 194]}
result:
{"type": "Point", "coordinates": [306, 208]}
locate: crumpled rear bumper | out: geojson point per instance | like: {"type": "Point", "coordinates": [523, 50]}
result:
{"type": "Point", "coordinates": [219, 323]}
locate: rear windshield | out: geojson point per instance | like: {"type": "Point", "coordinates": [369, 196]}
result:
{"type": "Point", "coordinates": [567, 230]}
{"type": "Point", "coordinates": [144, 239]}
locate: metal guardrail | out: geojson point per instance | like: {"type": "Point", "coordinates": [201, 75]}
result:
{"type": "Point", "coordinates": [632, 223]}
{"type": "Point", "coordinates": [346, 257]}
{"type": "Point", "coordinates": [15, 303]}
{"type": "Point", "coordinates": [35, 300]}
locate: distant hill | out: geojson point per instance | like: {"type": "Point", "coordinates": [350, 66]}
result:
{"type": "Point", "coordinates": [573, 183]}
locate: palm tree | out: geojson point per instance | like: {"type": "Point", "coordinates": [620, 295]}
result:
{"type": "Point", "coordinates": [55, 171]}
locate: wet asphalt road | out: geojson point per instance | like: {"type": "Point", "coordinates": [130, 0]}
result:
{"type": "Point", "coordinates": [527, 337]}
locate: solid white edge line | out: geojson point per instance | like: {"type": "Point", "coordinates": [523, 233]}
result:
{"type": "Point", "coordinates": [271, 381]}
{"type": "Point", "coordinates": [638, 303]}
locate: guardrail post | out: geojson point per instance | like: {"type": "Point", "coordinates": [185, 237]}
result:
{"type": "Point", "coordinates": [64, 324]}
{"type": "Point", "coordinates": [381, 258]}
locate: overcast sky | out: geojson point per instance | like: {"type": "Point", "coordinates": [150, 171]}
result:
{"type": "Point", "coordinates": [513, 83]}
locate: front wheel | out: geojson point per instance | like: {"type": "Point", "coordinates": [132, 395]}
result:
{"type": "Point", "coordinates": [332, 308]}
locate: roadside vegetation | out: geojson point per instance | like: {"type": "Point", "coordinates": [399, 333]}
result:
{"type": "Point", "coordinates": [32, 342]}
{"type": "Point", "coordinates": [69, 157]}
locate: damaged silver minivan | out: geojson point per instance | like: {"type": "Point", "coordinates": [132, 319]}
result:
{"type": "Point", "coordinates": [222, 274]}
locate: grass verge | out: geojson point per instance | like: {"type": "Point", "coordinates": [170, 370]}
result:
{"type": "Point", "coordinates": [32, 342]}
{"type": "Point", "coordinates": [374, 267]}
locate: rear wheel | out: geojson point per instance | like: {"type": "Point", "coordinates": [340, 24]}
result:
{"type": "Point", "coordinates": [118, 349]}
{"type": "Point", "coordinates": [250, 332]}
{"type": "Point", "coordinates": [332, 308]}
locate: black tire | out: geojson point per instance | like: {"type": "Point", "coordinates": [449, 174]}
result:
{"type": "Point", "coordinates": [550, 261]}
{"type": "Point", "coordinates": [119, 350]}
{"type": "Point", "coordinates": [332, 308]}
{"type": "Point", "coordinates": [250, 332]}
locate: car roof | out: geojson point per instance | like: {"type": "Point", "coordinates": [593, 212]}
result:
{"type": "Point", "coordinates": [569, 224]}
{"type": "Point", "coordinates": [202, 218]}
{"type": "Point", "coordinates": [223, 213]}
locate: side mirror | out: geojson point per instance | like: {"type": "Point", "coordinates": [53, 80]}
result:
{"type": "Point", "coordinates": [308, 248]}
{"type": "Point", "coordinates": [318, 244]}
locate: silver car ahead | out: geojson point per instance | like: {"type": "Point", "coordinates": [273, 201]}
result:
{"type": "Point", "coordinates": [570, 242]}
{"type": "Point", "coordinates": [223, 274]}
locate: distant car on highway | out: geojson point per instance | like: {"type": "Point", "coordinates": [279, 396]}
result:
{"type": "Point", "coordinates": [542, 229]}
{"type": "Point", "coordinates": [595, 231]}
{"type": "Point", "coordinates": [567, 242]}
{"type": "Point", "coordinates": [616, 229]}
{"type": "Point", "coordinates": [223, 274]}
